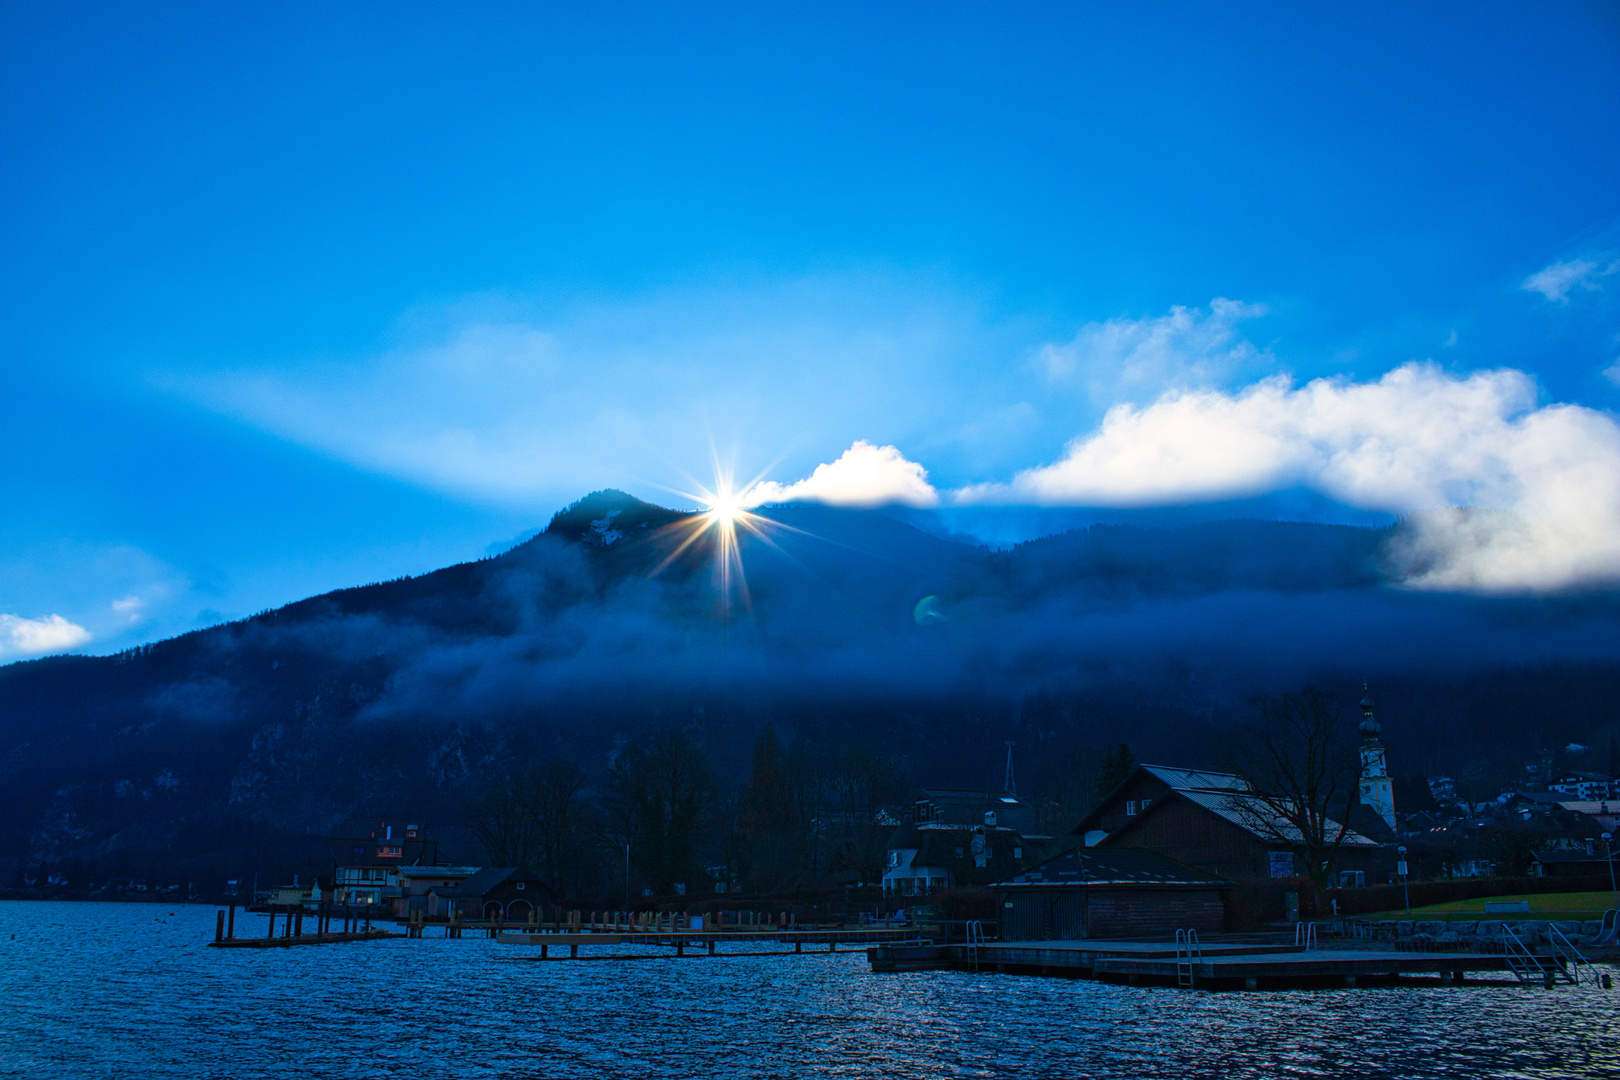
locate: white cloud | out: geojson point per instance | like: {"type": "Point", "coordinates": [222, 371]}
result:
{"type": "Point", "coordinates": [130, 608]}
{"type": "Point", "coordinates": [1416, 441]}
{"type": "Point", "coordinates": [1556, 281]}
{"type": "Point", "coordinates": [1612, 373]}
{"type": "Point", "coordinates": [865, 475]}
{"type": "Point", "coordinates": [517, 404]}
{"type": "Point", "coordinates": [31, 637]}
{"type": "Point", "coordinates": [1122, 358]}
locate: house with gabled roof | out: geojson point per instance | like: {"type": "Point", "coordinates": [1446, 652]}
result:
{"type": "Point", "coordinates": [497, 893]}
{"type": "Point", "coordinates": [1138, 790]}
{"type": "Point", "coordinates": [1212, 821]}
{"type": "Point", "coordinates": [1237, 836]}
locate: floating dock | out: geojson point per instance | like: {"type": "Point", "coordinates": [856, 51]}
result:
{"type": "Point", "coordinates": [1240, 965]}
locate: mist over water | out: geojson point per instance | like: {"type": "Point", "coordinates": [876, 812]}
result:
{"type": "Point", "coordinates": [110, 990]}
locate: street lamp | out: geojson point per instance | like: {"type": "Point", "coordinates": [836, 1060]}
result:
{"type": "Point", "coordinates": [1400, 868]}
{"type": "Point", "coordinates": [1608, 851]}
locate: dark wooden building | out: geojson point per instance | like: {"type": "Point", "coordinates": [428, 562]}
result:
{"type": "Point", "coordinates": [1210, 821]}
{"type": "Point", "coordinates": [512, 893]}
{"type": "Point", "coordinates": [1235, 837]}
{"type": "Point", "coordinates": [1136, 794]}
{"type": "Point", "coordinates": [1097, 893]}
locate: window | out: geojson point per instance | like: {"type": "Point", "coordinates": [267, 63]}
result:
{"type": "Point", "coordinates": [1143, 805]}
{"type": "Point", "coordinates": [1018, 853]}
{"type": "Point", "coordinates": [958, 853]}
{"type": "Point", "coordinates": [1282, 864]}
{"type": "Point", "coordinates": [520, 886]}
{"type": "Point", "coordinates": [1130, 807]}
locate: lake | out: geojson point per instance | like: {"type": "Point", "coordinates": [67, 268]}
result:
{"type": "Point", "coordinates": [122, 990]}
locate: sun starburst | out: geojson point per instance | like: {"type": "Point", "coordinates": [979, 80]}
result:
{"type": "Point", "coordinates": [724, 516]}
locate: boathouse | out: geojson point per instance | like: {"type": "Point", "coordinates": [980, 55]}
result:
{"type": "Point", "coordinates": [509, 893]}
{"type": "Point", "coordinates": [1097, 893]}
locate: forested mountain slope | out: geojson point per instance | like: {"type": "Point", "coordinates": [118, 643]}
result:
{"type": "Point", "coordinates": [848, 628]}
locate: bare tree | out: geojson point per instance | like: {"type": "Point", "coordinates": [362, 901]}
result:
{"type": "Point", "coordinates": [1301, 766]}
{"type": "Point", "coordinates": [558, 788]}
{"type": "Point", "coordinates": [863, 788]}
{"type": "Point", "coordinates": [533, 817]}
{"type": "Point", "coordinates": [506, 820]}
{"type": "Point", "coordinates": [657, 794]}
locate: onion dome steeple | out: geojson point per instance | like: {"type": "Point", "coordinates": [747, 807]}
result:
{"type": "Point", "coordinates": [1370, 727]}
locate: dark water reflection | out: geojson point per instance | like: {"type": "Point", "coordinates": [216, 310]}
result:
{"type": "Point", "coordinates": [107, 990]}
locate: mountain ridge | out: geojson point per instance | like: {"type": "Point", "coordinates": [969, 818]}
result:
{"type": "Point", "coordinates": [415, 692]}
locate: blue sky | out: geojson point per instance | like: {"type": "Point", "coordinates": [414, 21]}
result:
{"type": "Point", "coordinates": [306, 298]}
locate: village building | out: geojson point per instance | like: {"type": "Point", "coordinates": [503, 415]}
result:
{"type": "Point", "coordinates": [1211, 821]}
{"type": "Point", "coordinates": [1109, 893]}
{"type": "Point", "coordinates": [1138, 791]}
{"type": "Point", "coordinates": [510, 894]}
{"type": "Point", "coordinates": [417, 882]}
{"type": "Point", "coordinates": [367, 857]}
{"type": "Point", "coordinates": [1585, 786]}
{"type": "Point", "coordinates": [961, 837]}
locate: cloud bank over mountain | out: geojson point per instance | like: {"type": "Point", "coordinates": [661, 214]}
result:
{"type": "Point", "coordinates": [865, 475]}
{"type": "Point", "coordinates": [1503, 492]}
{"type": "Point", "coordinates": [31, 637]}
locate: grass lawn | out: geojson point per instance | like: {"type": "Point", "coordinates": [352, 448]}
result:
{"type": "Point", "coordinates": [1577, 905]}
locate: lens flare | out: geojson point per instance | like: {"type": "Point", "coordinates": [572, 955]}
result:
{"type": "Point", "coordinates": [725, 514]}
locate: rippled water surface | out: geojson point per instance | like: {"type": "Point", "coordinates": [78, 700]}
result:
{"type": "Point", "coordinates": [93, 990]}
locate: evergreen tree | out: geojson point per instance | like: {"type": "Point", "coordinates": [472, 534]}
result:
{"type": "Point", "coordinates": [1115, 769]}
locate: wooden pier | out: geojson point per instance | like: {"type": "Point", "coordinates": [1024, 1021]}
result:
{"type": "Point", "coordinates": [355, 926]}
{"type": "Point", "coordinates": [705, 942]}
{"type": "Point", "coordinates": [1237, 965]}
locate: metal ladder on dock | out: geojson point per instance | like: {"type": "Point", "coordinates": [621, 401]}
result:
{"type": "Point", "coordinates": [1305, 936]}
{"type": "Point", "coordinates": [1521, 961]}
{"type": "Point", "coordinates": [975, 938]}
{"type": "Point", "coordinates": [1188, 953]}
{"type": "Point", "coordinates": [1564, 950]}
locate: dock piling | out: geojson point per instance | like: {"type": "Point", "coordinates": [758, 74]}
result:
{"type": "Point", "coordinates": [219, 927]}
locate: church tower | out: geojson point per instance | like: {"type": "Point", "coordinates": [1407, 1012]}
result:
{"type": "Point", "coordinates": [1376, 789]}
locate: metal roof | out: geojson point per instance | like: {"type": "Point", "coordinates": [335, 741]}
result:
{"type": "Point", "coordinates": [490, 877]}
{"type": "Point", "coordinates": [438, 871]}
{"type": "Point", "coordinates": [1197, 779]}
{"type": "Point", "coordinates": [1252, 815]}
{"type": "Point", "coordinates": [1112, 867]}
